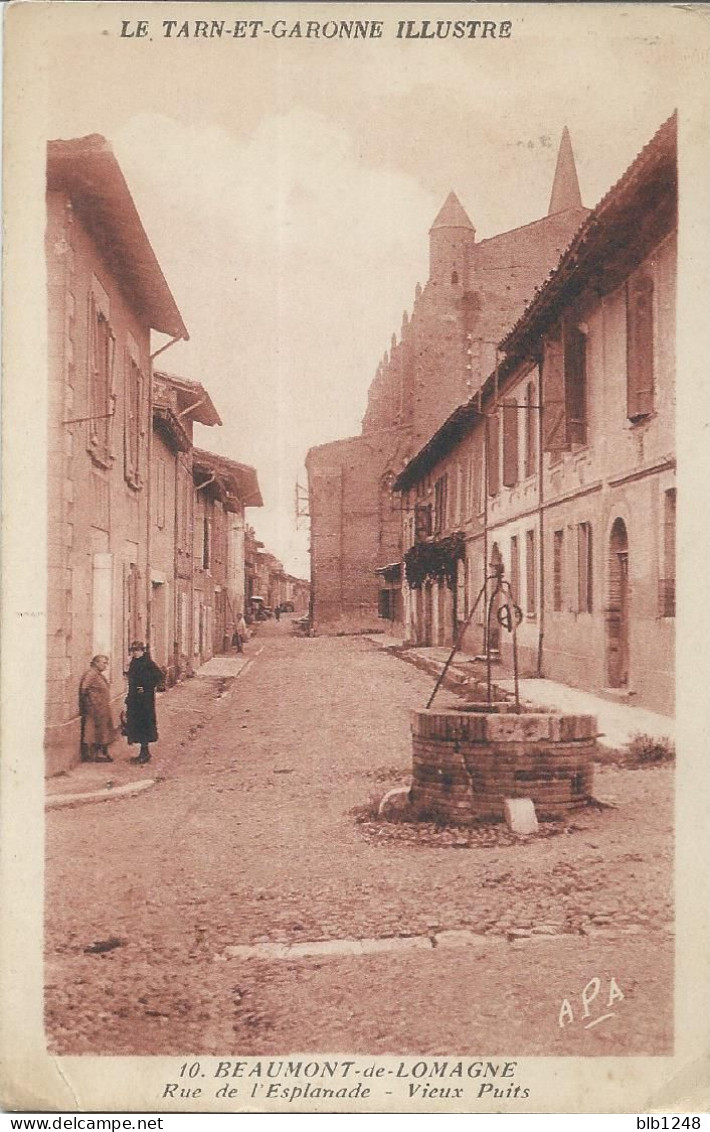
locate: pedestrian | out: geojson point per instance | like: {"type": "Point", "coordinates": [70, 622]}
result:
{"type": "Point", "coordinates": [277, 613]}
{"type": "Point", "coordinates": [97, 729]}
{"type": "Point", "coordinates": [144, 676]}
{"type": "Point", "coordinates": [241, 632]}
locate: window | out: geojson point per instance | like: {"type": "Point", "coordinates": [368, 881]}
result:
{"type": "Point", "coordinates": [531, 574]}
{"type": "Point", "coordinates": [471, 488]}
{"type": "Point", "coordinates": [131, 614]}
{"type": "Point", "coordinates": [101, 343]}
{"type": "Point", "coordinates": [422, 521]}
{"type": "Point", "coordinates": [159, 489]}
{"type": "Point", "coordinates": [530, 430]}
{"type": "Point", "coordinates": [510, 443]}
{"type": "Point", "coordinates": [557, 569]}
{"type": "Point", "coordinates": [133, 423]}
{"type": "Point", "coordinates": [639, 347]}
{"type": "Point", "coordinates": [440, 503]}
{"type": "Point", "coordinates": [493, 454]}
{"type": "Point", "coordinates": [461, 596]}
{"type": "Point", "coordinates": [584, 567]}
{"type": "Point", "coordinates": [576, 383]}
{"type": "Point", "coordinates": [565, 389]}
{"type": "Point", "coordinates": [515, 568]}
{"type": "Point", "coordinates": [667, 588]}
{"type": "Point", "coordinates": [385, 605]}
{"type": "Point", "coordinates": [206, 543]}
{"type": "Point", "coordinates": [459, 494]}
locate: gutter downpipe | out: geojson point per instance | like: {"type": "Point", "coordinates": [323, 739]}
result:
{"type": "Point", "coordinates": [149, 483]}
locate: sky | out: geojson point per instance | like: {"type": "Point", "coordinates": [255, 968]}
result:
{"type": "Point", "coordinates": [288, 188]}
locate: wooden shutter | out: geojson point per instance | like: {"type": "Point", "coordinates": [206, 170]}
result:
{"type": "Point", "coordinates": [575, 366]}
{"type": "Point", "coordinates": [531, 424]}
{"type": "Point", "coordinates": [510, 443]}
{"type": "Point", "coordinates": [639, 347]}
{"type": "Point", "coordinates": [421, 522]}
{"type": "Point", "coordinates": [554, 419]}
{"type": "Point", "coordinates": [515, 567]}
{"type": "Point", "coordinates": [493, 454]}
{"type": "Point", "coordinates": [531, 573]}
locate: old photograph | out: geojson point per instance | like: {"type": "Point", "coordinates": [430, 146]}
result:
{"type": "Point", "coordinates": [355, 599]}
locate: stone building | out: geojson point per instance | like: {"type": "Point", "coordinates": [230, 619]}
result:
{"type": "Point", "coordinates": [222, 490]}
{"type": "Point", "coordinates": [475, 291]}
{"type": "Point", "coordinates": [106, 293]}
{"type": "Point", "coordinates": [562, 468]}
{"type": "Point", "coordinates": [145, 532]}
{"type": "Point", "coordinates": [178, 404]}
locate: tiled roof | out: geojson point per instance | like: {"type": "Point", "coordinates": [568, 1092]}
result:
{"type": "Point", "coordinates": [452, 214]}
{"type": "Point", "coordinates": [86, 169]}
{"type": "Point", "coordinates": [651, 174]}
{"type": "Point", "coordinates": [192, 397]}
{"type": "Point", "coordinates": [236, 479]}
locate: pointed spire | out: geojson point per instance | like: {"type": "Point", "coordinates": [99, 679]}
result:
{"type": "Point", "coordinates": [565, 187]}
{"type": "Point", "coordinates": [452, 214]}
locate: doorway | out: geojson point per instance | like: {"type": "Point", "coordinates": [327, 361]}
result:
{"type": "Point", "coordinates": [617, 613]}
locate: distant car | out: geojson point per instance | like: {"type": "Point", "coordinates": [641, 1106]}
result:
{"type": "Point", "coordinates": [287, 607]}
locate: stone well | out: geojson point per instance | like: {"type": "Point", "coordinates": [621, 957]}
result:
{"type": "Point", "coordinates": [467, 761]}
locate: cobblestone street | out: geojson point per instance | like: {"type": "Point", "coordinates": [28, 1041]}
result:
{"type": "Point", "coordinates": [262, 830]}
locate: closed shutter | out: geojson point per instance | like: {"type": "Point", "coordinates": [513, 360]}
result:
{"type": "Point", "coordinates": [575, 367]}
{"type": "Point", "coordinates": [493, 454]}
{"type": "Point", "coordinates": [510, 443]}
{"type": "Point", "coordinates": [515, 568]}
{"type": "Point", "coordinates": [639, 347]}
{"type": "Point", "coordinates": [422, 521]}
{"type": "Point", "coordinates": [555, 431]}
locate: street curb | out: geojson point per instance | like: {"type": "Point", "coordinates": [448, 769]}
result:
{"type": "Point", "coordinates": [60, 801]}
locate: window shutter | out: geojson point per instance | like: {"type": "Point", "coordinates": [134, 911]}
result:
{"type": "Point", "coordinates": [575, 359]}
{"type": "Point", "coordinates": [639, 347]}
{"type": "Point", "coordinates": [531, 424]}
{"type": "Point", "coordinates": [493, 454]}
{"type": "Point", "coordinates": [510, 443]}
{"type": "Point", "coordinates": [421, 522]}
{"type": "Point", "coordinates": [555, 432]}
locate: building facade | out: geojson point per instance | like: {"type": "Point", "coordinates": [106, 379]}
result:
{"type": "Point", "coordinates": [177, 404]}
{"type": "Point", "coordinates": [106, 293]}
{"type": "Point", "coordinates": [223, 488]}
{"type": "Point", "coordinates": [475, 291]}
{"type": "Point", "coordinates": [145, 532]}
{"type": "Point", "coordinates": [562, 469]}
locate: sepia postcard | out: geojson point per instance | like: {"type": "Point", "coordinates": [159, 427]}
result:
{"type": "Point", "coordinates": [355, 557]}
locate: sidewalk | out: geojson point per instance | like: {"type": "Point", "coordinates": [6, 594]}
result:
{"type": "Point", "coordinates": [182, 713]}
{"type": "Point", "coordinates": [618, 723]}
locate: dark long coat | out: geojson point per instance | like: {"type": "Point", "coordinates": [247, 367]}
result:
{"type": "Point", "coordinates": [144, 676]}
{"type": "Point", "coordinates": [97, 729]}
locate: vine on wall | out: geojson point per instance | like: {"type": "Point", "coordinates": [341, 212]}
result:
{"type": "Point", "coordinates": [431, 561]}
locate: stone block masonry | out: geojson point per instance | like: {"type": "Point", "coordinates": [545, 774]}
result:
{"type": "Point", "coordinates": [466, 763]}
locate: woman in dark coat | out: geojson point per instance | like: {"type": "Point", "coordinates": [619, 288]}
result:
{"type": "Point", "coordinates": [97, 729]}
{"type": "Point", "coordinates": [144, 676]}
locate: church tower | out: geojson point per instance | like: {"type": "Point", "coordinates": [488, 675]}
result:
{"type": "Point", "coordinates": [565, 187]}
{"type": "Point", "coordinates": [451, 240]}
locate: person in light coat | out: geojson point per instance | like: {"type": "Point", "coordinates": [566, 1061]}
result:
{"type": "Point", "coordinates": [97, 727]}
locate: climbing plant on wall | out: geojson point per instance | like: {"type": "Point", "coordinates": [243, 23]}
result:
{"type": "Point", "coordinates": [431, 561]}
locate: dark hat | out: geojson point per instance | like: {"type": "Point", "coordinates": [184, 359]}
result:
{"type": "Point", "coordinates": [134, 645]}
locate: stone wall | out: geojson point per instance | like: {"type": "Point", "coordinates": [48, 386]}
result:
{"type": "Point", "coordinates": [466, 763]}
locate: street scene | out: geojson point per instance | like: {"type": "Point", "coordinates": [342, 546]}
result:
{"type": "Point", "coordinates": [358, 556]}
{"type": "Point", "coordinates": [219, 910]}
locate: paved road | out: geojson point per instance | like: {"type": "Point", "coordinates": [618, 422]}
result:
{"type": "Point", "coordinates": [262, 831]}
